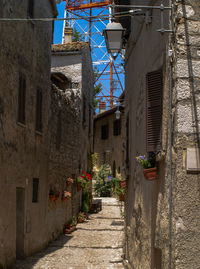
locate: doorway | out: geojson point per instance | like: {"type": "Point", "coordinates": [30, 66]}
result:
{"type": "Point", "coordinates": [20, 200]}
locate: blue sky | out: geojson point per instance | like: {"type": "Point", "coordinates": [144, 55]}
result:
{"type": "Point", "coordinates": [59, 24]}
{"type": "Point", "coordinates": [97, 53]}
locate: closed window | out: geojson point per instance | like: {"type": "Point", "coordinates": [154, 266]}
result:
{"type": "Point", "coordinates": [59, 131]}
{"type": "Point", "coordinates": [104, 131]}
{"type": "Point", "coordinates": [35, 190]}
{"type": "Point", "coordinates": [30, 9]}
{"type": "Point", "coordinates": [22, 99]}
{"type": "Point", "coordinates": [117, 127]}
{"type": "Point", "coordinates": [84, 110]}
{"type": "Point", "coordinates": [154, 94]}
{"type": "Point", "coordinates": [39, 110]}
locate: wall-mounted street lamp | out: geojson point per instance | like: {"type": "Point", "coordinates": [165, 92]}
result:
{"type": "Point", "coordinates": [113, 35]}
{"type": "Point", "coordinates": [117, 113]}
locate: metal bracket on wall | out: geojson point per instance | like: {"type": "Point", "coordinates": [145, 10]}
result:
{"type": "Point", "coordinates": [144, 9]}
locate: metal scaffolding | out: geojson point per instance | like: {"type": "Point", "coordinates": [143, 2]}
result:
{"type": "Point", "coordinates": [89, 18]}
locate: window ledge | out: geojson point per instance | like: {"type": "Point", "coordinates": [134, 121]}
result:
{"type": "Point", "coordinates": [21, 124]}
{"type": "Point", "coordinates": [38, 133]}
{"type": "Point", "coordinates": [160, 156]}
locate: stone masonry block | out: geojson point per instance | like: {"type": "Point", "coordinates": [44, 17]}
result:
{"type": "Point", "coordinates": [193, 27]}
{"type": "Point", "coordinates": [183, 66]}
{"type": "Point", "coordinates": [189, 11]}
{"type": "Point", "coordinates": [185, 118]}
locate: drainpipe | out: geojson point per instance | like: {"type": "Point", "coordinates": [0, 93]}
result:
{"type": "Point", "coordinates": [170, 54]}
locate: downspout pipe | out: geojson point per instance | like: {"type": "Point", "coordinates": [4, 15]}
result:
{"type": "Point", "coordinates": [170, 162]}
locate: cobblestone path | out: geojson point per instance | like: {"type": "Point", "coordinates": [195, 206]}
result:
{"type": "Point", "coordinates": [96, 244]}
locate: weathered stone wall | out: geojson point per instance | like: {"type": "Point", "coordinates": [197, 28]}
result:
{"type": "Point", "coordinates": [64, 156]}
{"type": "Point", "coordinates": [147, 204]}
{"type": "Point", "coordinates": [24, 47]}
{"type": "Point", "coordinates": [77, 66]}
{"type": "Point", "coordinates": [111, 149]}
{"type": "Point", "coordinates": [186, 134]}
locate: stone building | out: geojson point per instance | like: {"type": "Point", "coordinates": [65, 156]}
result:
{"type": "Point", "coordinates": [25, 61]}
{"type": "Point", "coordinates": [70, 127]}
{"type": "Point", "coordinates": [162, 116]}
{"type": "Point", "coordinates": [109, 140]}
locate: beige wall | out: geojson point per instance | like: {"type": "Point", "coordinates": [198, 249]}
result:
{"type": "Point", "coordinates": [111, 149]}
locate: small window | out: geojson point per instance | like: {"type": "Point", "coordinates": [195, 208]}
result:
{"type": "Point", "coordinates": [35, 190]}
{"type": "Point", "coordinates": [90, 120]}
{"type": "Point", "coordinates": [104, 131]}
{"type": "Point", "coordinates": [84, 110]}
{"type": "Point", "coordinates": [59, 131]}
{"type": "Point", "coordinates": [39, 110]}
{"type": "Point", "coordinates": [30, 9]}
{"type": "Point", "coordinates": [117, 127]}
{"type": "Point", "coordinates": [21, 98]}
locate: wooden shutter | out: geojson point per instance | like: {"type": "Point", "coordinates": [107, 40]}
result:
{"type": "Point", "coordinates": [154, 94]}
{"type": "Point", "coordinates": [39, 110]}
{"type": "Point", "coordinates": [30, 9]}
{"type": "Point", "coordinates": [104, 131]}
{"type": "Point", "coordinates": [35, 190]}
{"type": "Point", "coordinates": [117, 127]}
{"type": "Point", "coordinates": [21, 98]}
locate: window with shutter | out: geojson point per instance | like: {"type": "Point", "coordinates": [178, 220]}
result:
{"type": "Point", "coordinates": [21, 98]}
{"type": "Point", "coordinates": [154, 82]}
{"type": "Point", "coordinates": [104, 131]}
{"type": "Point", "coordinates": [30, 9]}
{"type": "Point", "coordinates": [117, 127]}
{"type": "Point", "coordinates": [39, 110]}
{"type": "Point", "coordinates": [35, 190]}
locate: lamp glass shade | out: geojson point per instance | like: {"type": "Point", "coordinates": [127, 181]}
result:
{"type": "Point", "coordinates": [113, 35]}
{"type": "Point", "coordinates": [117, 114]}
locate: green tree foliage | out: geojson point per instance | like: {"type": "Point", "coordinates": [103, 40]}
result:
{"type": "Point", "coordinates": [97, 88]}
{"type": "Point", "coordinates": [77, 36]}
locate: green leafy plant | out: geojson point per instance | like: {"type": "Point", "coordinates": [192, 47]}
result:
{"type": "Point", "coordinates": [74, 221]}
{"type": "Point", "coordinates": [103, 185]}
{"type": "Point", "coordinates": [77, 36]}
{"type": "Point", "coordinates": [146, 162]}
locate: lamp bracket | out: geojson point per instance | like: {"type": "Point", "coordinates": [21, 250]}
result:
{"type": "Point", "coordinates": [143, 10]}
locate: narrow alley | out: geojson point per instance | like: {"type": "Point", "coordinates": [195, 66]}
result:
{"type": "Point", "coordinates": [97, 243]}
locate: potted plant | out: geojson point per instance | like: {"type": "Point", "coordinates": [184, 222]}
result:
{"type": "Point", "coordinates": [69, 182]}
{"type": "Point", "coordinates": [78, 186]}
{"type": "Point", "coordinates": [52, 195]}
{"type": "Point", "coordinates": [66, 196]}
{"type": "Point", "coordinates": [119, 191]}
{"type": "Point", "coordinates": [122, 183]}
{"type": "Point", "coordinates": [148, 163]}
{"type": "Point", "coordinates": [57, 194]}
{"type": "Point", "coordinates": [81, 217]}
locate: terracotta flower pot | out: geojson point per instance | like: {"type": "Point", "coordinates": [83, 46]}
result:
{"type": "Point", "coordinates": [150, 174]}
{"type": "Point", "coordinates": [52, 197]}
{"type": "Point", "coordinates": [121, 197]}
{"type": "Point", "coordinates": [123, 184]}
{"type": "Point", "coordinates": [79, 186]}
{"type": "Point", "coordinates": [68, 184]}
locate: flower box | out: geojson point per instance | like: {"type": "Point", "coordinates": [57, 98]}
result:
{"type": "Point", "coordinates": [150, 173]}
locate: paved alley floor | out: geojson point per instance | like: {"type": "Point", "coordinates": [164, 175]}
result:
{"type": "Point", "coordinates": [96, 244]}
